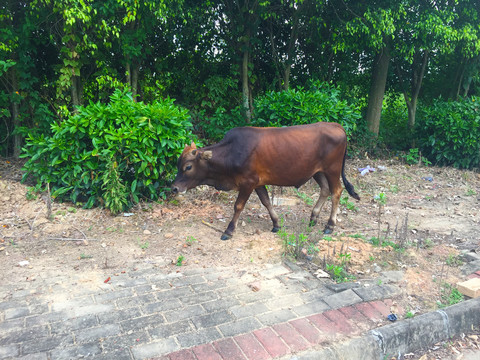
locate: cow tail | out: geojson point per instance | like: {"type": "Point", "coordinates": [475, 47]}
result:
{"type": "Point", "coordinates": [348, 185]}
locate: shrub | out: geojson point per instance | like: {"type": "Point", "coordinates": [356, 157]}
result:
{"type": "Point", "coordinates": [394, 130]}
{"type": "Point", "coordinates": [449, 132]}
{"type": "Point", "coordinates": [110, 154]}
{"type": "Point", "coordinates": [298, 106]}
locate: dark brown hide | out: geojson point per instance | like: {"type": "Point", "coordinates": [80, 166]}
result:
{"type": "Point", "coordinates": [249, 158]}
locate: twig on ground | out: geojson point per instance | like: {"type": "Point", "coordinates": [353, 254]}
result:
{"type": "Point", "coordinates": [72, 239]}
{"type": "Point", "coordinates": [211, 226]}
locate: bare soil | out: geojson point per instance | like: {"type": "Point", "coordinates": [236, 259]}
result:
{"type": "Point", "coordinates": [430, 215]}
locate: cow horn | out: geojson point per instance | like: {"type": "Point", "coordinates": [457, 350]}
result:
{"type": "Point", "coordinates": [207, 155]}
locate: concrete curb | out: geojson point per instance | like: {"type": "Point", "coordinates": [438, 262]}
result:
{"type": "Point", "coordinates": [405, 336]}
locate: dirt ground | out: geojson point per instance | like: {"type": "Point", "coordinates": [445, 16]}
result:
{"type": "Point", "coordinates": [429, 214]}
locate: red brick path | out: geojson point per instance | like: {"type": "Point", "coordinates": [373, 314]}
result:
{"type": "Point", "coordinates": [293, 336]}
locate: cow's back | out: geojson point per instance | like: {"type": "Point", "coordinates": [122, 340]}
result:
{"type": "Point", "coordinates": [283, 156]}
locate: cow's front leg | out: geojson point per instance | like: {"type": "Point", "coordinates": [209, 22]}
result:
{"type": "Point", "coordinates": [263, 195]}
{"type": "Point", "coordinates": [242, 198]}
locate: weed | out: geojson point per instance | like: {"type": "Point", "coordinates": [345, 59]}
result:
{"type": "Point", "coordinates": [394, 189]}
{"type": "Point", "coordinates": [345, 258]}
{"type": "Point", "coordinates": [180, 260]}
{"type": "Point", "coordinates": [293, 244]}
{"type": "Point", "coordinates": [449, 295]}
{"type": "Point", "coordinates": [358, 236]}
{"type": "Point", "coordinates": [454, 260]}
{"type": "Point", "coordinates": [30, 195]}
{"type": "Point", "coordinates": [470, 192]}
{"type": "Point", "coordinates": [409, 315]}
{"type": "Point", "coordinates": [143, 246]}
{"type": "Point", "coordinates": [71, 210]}
{"type": "Point", "coordinates": [371, 258]}
{"type": "Point", "coordinates": [85, 256]}
{"type": "Point", "coordinates": [338, 273]}
{"type": "Point", "coordinates": [307, 199]}
{"type": "Point", "coordinates": [328, 238]}
{"type": "Point", "coordinates": [348, 204]}
{"type": "Point", "coordinates": [428, 243]}
{"type": "Point", "coordinates": [379, 282]}
{"type": "Point", "coordinates": [190, 240]}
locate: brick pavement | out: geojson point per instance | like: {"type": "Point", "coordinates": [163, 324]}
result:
{"type": "Point", "coordinates": [186, 314]}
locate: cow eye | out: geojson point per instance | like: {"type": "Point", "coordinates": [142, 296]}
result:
{"type": "Point", "coordinates": [188, 168]}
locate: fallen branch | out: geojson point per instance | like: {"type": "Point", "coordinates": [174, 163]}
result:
{"type": "Point", "coordinates": [210, 225]}
{"type": "Point", "coordinates": [72, 239]}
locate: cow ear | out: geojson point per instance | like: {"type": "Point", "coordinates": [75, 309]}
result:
{"type": "Point", "coordinates": [207, 155]}
{"type": "Point", "coordinates": [193, 146]}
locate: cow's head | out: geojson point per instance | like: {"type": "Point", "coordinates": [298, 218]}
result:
{"type": "Point", "coordinates": [192, 168]}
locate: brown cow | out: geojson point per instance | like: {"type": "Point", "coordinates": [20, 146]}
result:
{"type": "Point", "coordinates": [249, 158]}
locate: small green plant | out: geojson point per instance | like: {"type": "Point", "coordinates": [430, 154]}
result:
{"type": "Point", "coordinates": [381, 199]}
{"type": "Point", "coordinates": [307, 199]}
{"type": "Point", "coordinates": [348, 204]}
{"type": "Point", "coordinates": [85, 256]}
{"type": "Point", "coordinates": [454, 260]}
{"type": "Point", "coordinates": [31, 193]}
{"type": "Point", "coordinates": [379, 282]}
{"type": "Point", "coordinates": [470, 192]}
{"type": "Point", "coordinates": [71, 209]}
{"type": "Point", "coordinates": [293, 244]}
{"type": "Point", "coordinates": [190, 240]}
{"type": "Point", "coordinates": [115, 192]}
{"type": "Point", "coordinates": [180, 260]}
{"type": "Point", "coordinates": [409, 315]}
{"type": "Point", "coordinates": [449, 295]}
{"type": "Point", "coordinates": [338, 273]}
{"type": "Point", "coordinates": [428, 243]}
{"type": "Point", "coordinates": [344, 258]}
{"type": "Point", "coordinates": [143, 246]}
{"type": "Point", "coordinates": [371, 258]}
{"type": "Point", "coordinates": [328, 238]}
{"type": "Point", "coordinates": [412, 157]}
{"type": "Point", "coordinates": [394, 189]}
{"type": "Point", "coordinates": [358, 236]}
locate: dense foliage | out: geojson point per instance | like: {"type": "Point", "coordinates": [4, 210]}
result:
{"type": "Point", "coordinates": [298, 106]}
{"type": "Point", "coordinates": [449, 132]}
{"type": "Point", "coordinates": [111, 154]}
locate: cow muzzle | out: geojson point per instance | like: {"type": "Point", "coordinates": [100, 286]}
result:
{"type": "Point", "coordinates": [176, 190]}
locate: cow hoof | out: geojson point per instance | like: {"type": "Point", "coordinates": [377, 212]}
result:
{"type": "Point", "coordinates": [327, 231]}
{"type": "Point", "coordinates": [275, 229]}
{"type": "Point", "coordinates": [225, 237]}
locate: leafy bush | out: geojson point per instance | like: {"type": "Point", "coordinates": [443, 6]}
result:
{"type": "Point", "coordinates": [215, 126]}
{"type": "Point", "coordinates": [394, 132]}
{"type": "Point", "coordinates": [299, 106]}
{"type": "Point", "coordinates": [110, 154]}
{"type": "Point", "coordinates": [449, 132]}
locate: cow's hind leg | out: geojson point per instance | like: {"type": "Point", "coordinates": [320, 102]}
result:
{"type": "Point", "coordinates": [336, 190]}
{"type": "Point", "coordinates": [324, 193]}
{"type": "Point", "coordinates": [242, 198]}
{"type": "Point", "coordinates": [263, 195]}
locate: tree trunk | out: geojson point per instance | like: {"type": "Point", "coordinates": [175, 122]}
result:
{"type": "Point", "coordinates": [412, 109]}
{"type": "Point", "coordinates": [245, 86]}
{"type": "Point", "coordinates": [76, 89]}
{"type": "Point", "coordinates": [377, 90]}
{"type": "Point", "coordinates": [134, 82]}
{"type": "Point", "coordinates": [17, 138]}
{"type": "Point", "coordinates": [418, 72]}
